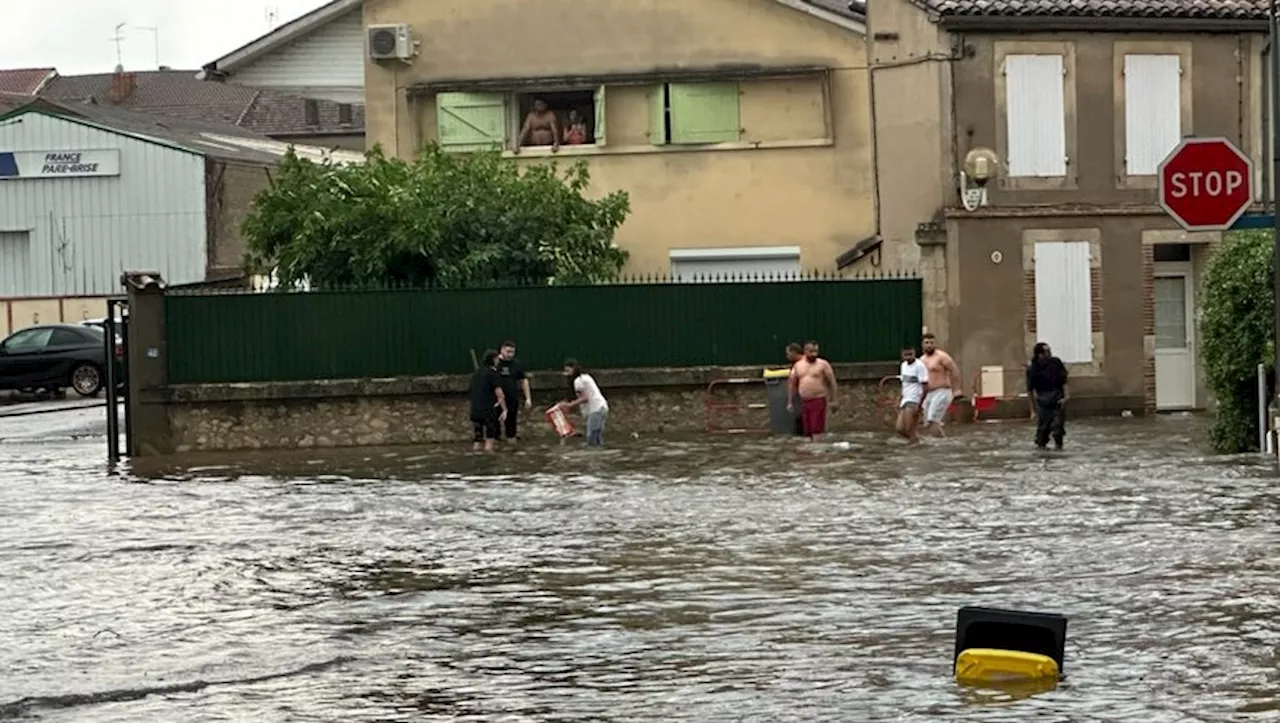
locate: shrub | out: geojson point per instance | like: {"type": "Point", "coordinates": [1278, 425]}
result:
{"type": "Point", "coordinates": [442, 219]}
{"type": "Point", "coordinates": [1237, 331]}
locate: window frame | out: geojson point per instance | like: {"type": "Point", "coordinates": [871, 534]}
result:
{"type": "Point", "coordinates": [1098, 321]}
{"type": "Point", "coordinates": [1123, 48]}
{"type": "Point", "coordinates": [515, 122]}
{"type": "Point", "coordinates": [733, 253]}
{"type": "Point", "coordinates": [1067, 51]}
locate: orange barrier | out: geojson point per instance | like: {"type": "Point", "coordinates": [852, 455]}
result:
{"type": "Point", "coordinates": [986, 400]}
{"type": "Point", "coordinates": [715, 408]}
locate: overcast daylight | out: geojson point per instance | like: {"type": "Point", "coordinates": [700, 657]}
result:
{"type": "Point", "coordinates": [659, 361]}
{"type": "Point", "coordinates": [77, 36]}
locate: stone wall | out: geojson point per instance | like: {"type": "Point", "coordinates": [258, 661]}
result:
{"type": "Point", "coordinates": [377, 412]}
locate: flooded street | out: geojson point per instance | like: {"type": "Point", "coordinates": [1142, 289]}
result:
{"type": "Point", "coordinates": [722, 579]}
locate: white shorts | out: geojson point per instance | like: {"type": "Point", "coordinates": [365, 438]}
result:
{"type": "Point", "coordinates": [936, 404]}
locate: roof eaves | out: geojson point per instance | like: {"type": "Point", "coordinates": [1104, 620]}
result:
{"type": "Point", "coordinates": [845, 22]}
{"type": "Point", "coordinates": [1098, 23]}
{"type": "Point", "coordinates": [281, 35]}
{"type": "Point", "coordinates": [50, 109]}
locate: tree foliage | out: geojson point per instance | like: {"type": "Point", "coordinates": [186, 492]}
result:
{"type": "Point", "coordinates": [442, 219]}
{"type": "Point", "coordinates": [1237, 331]}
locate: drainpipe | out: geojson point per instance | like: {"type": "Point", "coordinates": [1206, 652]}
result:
{"type": "Point", "coordinates": [875, 141]}
{"type": "Point", "coordinates": [1267, 115]}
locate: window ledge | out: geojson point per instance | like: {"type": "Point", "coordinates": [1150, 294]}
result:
{"type": "Point", "coordinates": [592, 150]}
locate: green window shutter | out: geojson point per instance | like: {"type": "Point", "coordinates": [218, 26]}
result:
{"type": "Point", "coordinates": [704, 113]}
{"type": "Point", "coordinates": [599, 133]}
{"type": "Point", "coordinates": [471, 121]}
{"type": "Point", "coordinates": [658, 115]}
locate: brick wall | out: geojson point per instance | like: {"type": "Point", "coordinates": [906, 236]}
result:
{"type": "Point", "coordinates": [1149, 328]}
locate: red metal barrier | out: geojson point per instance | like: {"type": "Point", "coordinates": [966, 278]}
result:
{"type": "Point", "coordinates": [714, 408]}
{"type": "Point", "coordinates": [985, 402]}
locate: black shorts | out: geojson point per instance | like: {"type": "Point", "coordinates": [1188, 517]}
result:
{"type": "Point", "coordinates": [483, 429]}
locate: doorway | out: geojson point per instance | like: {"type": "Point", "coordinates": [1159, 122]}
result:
{"type": "Point", "coordinates": [1174, 293]}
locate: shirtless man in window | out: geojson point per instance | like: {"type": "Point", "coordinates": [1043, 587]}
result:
{"type": "Point", "coordinates": [540, 128]}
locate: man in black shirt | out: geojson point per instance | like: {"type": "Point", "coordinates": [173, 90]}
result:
{"type": "Point", "coordinates": [514, 381]}
{"type": "Point", "coordinates": [488, 403]}
{"type": "Point", "coordinates": [1047, 392]}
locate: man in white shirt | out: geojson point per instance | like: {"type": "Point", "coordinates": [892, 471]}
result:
{"type": "Point", "coordinates": [594, 405]}
{"type": "Point", "coordinates": [915, 384]}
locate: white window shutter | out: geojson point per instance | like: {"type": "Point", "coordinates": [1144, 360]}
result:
{"type": "Point", "coordinates": [1035, 110]}
{"type": "Point", "coordinates": [1064, 299]}
{"type": "Point", "coordinates": [1152, 111]}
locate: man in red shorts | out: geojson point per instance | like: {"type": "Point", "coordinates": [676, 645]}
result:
{"type": "Point", "coordinates": [814, 381]}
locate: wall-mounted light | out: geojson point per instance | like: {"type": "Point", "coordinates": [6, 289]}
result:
{"type": "Point", "coordinates": [980, 166]}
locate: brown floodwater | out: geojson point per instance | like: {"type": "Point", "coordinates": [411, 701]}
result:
{"type": "Point", "coordinates": [703, 579]}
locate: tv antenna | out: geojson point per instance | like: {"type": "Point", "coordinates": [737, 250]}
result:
{"type": "Point", "coordinates": [272, 14]}
{"type": "Point", "coordinates": [118, 38]}
{"type": "Point", "coordinates": [155, 32]}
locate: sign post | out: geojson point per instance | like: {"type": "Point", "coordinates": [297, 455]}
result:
{"type": "Point", "coordinates": [1206, 184]}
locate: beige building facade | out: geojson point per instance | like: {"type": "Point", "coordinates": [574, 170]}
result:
{"type": "Point", "coordinates": [1071, 246]}
{"type": "Point", "coordinates": [739, 128]}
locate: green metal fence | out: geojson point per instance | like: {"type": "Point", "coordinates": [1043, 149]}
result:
{"type": "Point", "coordinates": [293, 336]}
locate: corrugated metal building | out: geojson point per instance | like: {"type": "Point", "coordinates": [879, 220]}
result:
{"type": "Point", "coordinates": [88, 191]}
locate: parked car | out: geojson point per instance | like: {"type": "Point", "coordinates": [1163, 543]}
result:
{"type": "Point", "coordinates": [101, 325]}
{"type": "Point", "coordinates": [57, 356]}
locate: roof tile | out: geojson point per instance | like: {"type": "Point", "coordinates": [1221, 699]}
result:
{"type": "Point", "coordinates": [23, 80]}
{"type": "Point", "coordinates": [180, 94]}
{"type": "Point", "coordinates": [1185, 9]}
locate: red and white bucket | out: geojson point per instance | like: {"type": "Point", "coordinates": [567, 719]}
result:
{"type": "Point", "coordinates": [556, 417]}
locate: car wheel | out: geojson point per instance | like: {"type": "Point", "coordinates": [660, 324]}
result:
{"type": "Point", "coordinates": [86, 379]}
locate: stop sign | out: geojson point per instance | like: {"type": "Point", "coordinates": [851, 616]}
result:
{"type": "Point", "coordinates": [1206, 184]}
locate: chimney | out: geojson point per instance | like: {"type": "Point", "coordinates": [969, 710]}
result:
{"type": "Point", "coordinates": [122, 85]}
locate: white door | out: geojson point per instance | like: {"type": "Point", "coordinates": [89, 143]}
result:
{"type": "Point", "coordinates": [1175, 342]}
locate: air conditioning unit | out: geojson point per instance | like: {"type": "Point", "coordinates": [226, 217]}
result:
{"type": "Point", "coordinates": [390, 42]}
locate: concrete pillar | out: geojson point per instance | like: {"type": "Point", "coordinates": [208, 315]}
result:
{"type": "Point", "coordinates": [148, 371]}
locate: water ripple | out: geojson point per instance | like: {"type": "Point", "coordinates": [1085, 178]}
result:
{"type": "Point", "coordinates": [678, 580]}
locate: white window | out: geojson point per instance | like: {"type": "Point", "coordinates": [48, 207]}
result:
{"type": "Point", "coordinates": [743, 263]}
{"type": "Point", "coordinates": [1036, 126]}
{"type": "Point", "coordinates": [1064, 299]}
{"type": "Point", "coordinates": [1152, 111]}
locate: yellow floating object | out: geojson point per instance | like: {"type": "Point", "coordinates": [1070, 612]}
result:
{"type": "Point", "coordinates": [777, 373]}
{"type": "Point", "coordinates": [977, 666]}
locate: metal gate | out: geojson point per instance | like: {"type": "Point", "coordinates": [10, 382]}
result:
{"type": "Point", "coordinates": [117, 340]}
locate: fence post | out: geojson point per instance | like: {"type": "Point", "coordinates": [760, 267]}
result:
{"type": "Point", "coordinates": [147, 417]}
{"type": "Point", "coordinates": [1264, 436]}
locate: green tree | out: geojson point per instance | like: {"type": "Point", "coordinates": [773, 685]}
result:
{"type": "Point", "coordinates": [442, 219]}
{"type": "Point", "coordinates": [1238, 332]}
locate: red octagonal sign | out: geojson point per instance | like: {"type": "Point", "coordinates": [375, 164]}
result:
{"type": "Point", "coordinates": [1206, 184]}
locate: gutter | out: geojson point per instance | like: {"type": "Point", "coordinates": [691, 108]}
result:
{"type": "Point", "coordinates": [1062, 23]}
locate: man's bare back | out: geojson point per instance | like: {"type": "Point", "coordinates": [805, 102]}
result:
{"type": "Point", "coordinates": [812, 378]}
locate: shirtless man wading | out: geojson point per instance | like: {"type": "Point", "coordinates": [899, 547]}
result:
{"type": "Point", "coordinates": [541, 128]}
{"type": "Point", "coordinates": [814, 381]}
{"type": "Point", "coordinates": [944, 380]}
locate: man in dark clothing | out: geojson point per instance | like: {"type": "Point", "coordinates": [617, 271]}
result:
{"type": "Point", "coordinates": [488, 403]}
{"type": "Point", "coordinates": [795, 353]}
{"type": "Point", "coordinates": [1047, 392]}
{"type": "Point", "coordinates": [514, 381]}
